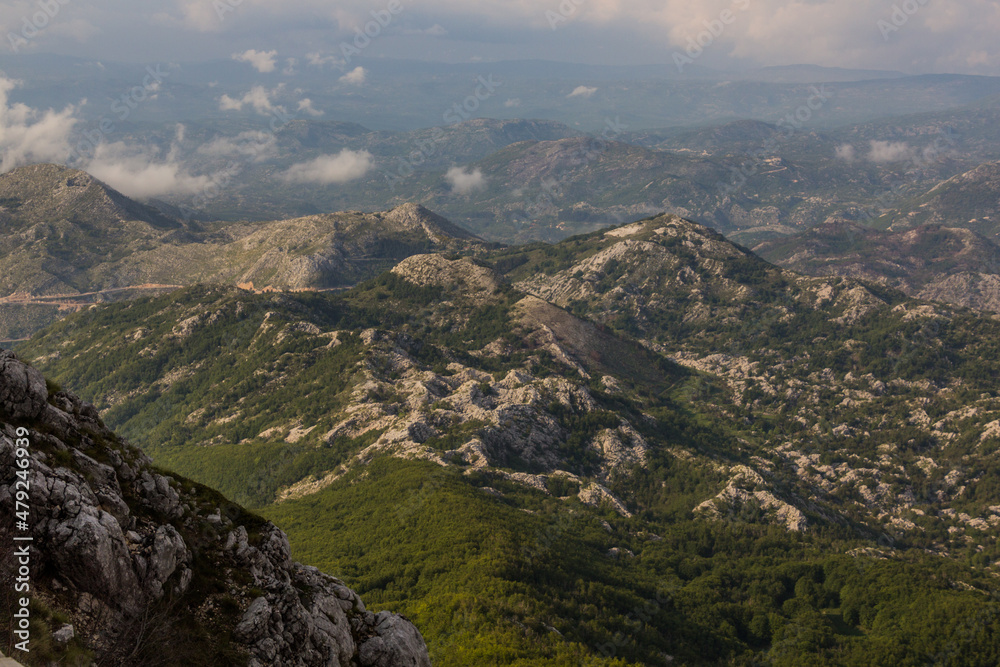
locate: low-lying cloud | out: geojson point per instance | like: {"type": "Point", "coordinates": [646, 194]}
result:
{"type": "Point", "coordinates": [306, 106]}
{"type": "Point", "coordinates": [345, 166]}
{"type": "Point", "coordinates": [259, 99]}
{"type": "Point", "coordinates": [583, 91]}
{"type": "Point", "coordinates": [253, 144]}
{"type": "Point", "coordinates": [320, 59]}
{"type": "Point", "coordinates": [890, 151]}
{"type": "Point", "coordinates": [464, 182]}
{"type": "Point", "coordinates": [262, 61]}
{"type": "Point", "coordinates": [845, 152]}
{"type": "Point", "coordinates": [140, 172]}
{"type": "Point", "coordinates": [356, 77]}
{"type": "Point", "coordinates": [28, 135]}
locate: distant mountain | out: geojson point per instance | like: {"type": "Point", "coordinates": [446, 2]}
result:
{"type": "Point", "coordinates": [970, 200]}
{"type": "Point", "coordinates": [949, 264]}
{"type": "Point", "coordinates": [463, 141]}
{"type": "Point", "coordinates": [61, 224]}
{"type": "Point", "coordinates": [751, 179]}
{"type": "Point", "coordinates": [71, 241]}
{"type": "Point", "coordinates": [741, 136]}
{"type": "Point", "coordinates": [816, 74]}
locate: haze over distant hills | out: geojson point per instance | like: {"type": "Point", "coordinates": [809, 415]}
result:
{"type": "Point", "coordinates": [951, 264]}
{"type": "Point", "coordinates": [73, 241]}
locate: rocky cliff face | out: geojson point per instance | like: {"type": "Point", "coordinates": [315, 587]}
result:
{"type": "Point", "coordinates": [150, 568]}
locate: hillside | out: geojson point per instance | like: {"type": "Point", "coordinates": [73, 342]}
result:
{"type": "Point", "coordinates": [523, 451]}
{"type": "Point", "coordinates": [61, 225]}
{"type": "Point", "coordinates": [73, 242]}
{"type": "Point", "coordinates": [131, 565]}
{"type": "Point", "coordinates": [970, 200]}
{"type": "Point", "coordinates": [949, 264]}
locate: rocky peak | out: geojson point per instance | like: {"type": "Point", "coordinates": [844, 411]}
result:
{"type": "Point", "coordinates": [415, 216]}
{"type": "Point", "coordinates": [120, 546]}
{"type": "Point", "coordinates": [439, 271]}
{"type": "Point", "coordinates": [47, 192]}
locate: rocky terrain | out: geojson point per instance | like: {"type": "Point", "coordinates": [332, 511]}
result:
{"type": "Point", "coordinates": [651, 384]}
{"type": "Point", "coordinates": [652, 375]}
{"type": "Point", "coordinates": [940, 263]}
{"type": "Point", "coordinates": [970, 200]}
{"type": "Point", "coordinates": [72, 241]}
{"type": "Point", "coordinates": [131, 565]}
{"type": "Point", "coordinates": [684, 293]}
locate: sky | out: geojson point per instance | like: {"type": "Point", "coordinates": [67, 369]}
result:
{"type": "Point", "coordinates": [912, 36]}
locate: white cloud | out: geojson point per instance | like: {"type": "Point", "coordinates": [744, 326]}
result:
{"type": "Point", "coordinates": [356, 77]}
{"type": "Point", "coordinates": [319, 59]}
{"type": "Point", "coordinates": [465, 182]}
{"type": "Point", "coordinates": [582, 91]}
{"type": "Point", "coordinates": [254, 144]}
{"type": "Point", "coordinates": [140, 172]}
{"type": "Point", "coordinates": [202, 16]}
{"type": "Point", "coordinates": [259, 98]}
{"type": "Point", "coordinates": [306, 106]}
{"type": "Point", "coordinates": [29, 135]}
{"type": "Point", "coordinates": [262, 61]}
{"type": "Point", "coordinates": [886, 151]}
{"type": "Point", "coordinates": [513, 103]}
{"type": "Point", "coordinates": [347, 165]}
{"type": "Point", "coordinates": [845, 152]}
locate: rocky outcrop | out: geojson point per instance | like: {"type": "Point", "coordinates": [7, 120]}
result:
{"type": "Point", "coordinates": [8, 662]}
{"type": "Point", "coordinates": [116, 542]}
{"type": "Point", "coordinates": [438, 271]}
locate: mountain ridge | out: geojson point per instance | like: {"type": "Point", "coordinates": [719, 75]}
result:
{"type": "Point", "coordinates": [932, 261]}
{"type": "Point", "coordinates": [66, 245]}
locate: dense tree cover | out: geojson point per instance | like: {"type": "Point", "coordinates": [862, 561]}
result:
{"type": "Point", "coordinates": [488, 583]}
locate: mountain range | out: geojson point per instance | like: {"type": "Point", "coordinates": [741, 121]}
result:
{"type": "Point", "coordinates": [71, 241]}
{"type": "Point", "coordinates": [934, 262]}
{"type": "Point", "coordinates": [643, 445]}
{"type": "Point", "coordinates": [400, 363]}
